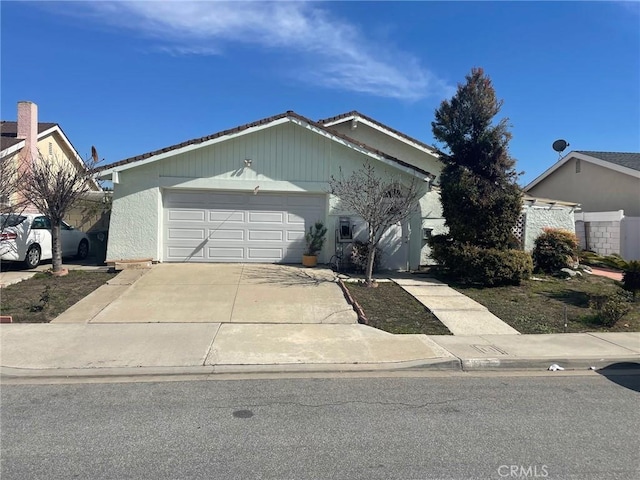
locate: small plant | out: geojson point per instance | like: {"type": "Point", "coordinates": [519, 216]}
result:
{"type": "Point", "coordinates": [43, 302]}
{"type": "Point", "coordinates": [554, 250]}
{"type": "Point", "coordinates": [315, 238]}
{"type": "Point", "coordinates": [610, 308]}
{"type": "Point", "coordinates": [631, 277]}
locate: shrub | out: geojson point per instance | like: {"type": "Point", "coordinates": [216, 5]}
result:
{"type": "Point", "coordinates": [554, 250]}
{"type": "Point", "coordinates": [631, 277]}
{"type": "Point", "coordinates": [360, 254]}
{"type": "Point", "coordinates": [610, 307]}
{"type": "Point", "coordinates": [487, 266]}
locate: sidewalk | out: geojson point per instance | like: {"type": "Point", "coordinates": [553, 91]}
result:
{"type": "Point", "coordinates": [60, 350]}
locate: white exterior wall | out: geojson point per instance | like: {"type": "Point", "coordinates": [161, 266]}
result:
{"type": "Point", "coordinates": [285, 158]}
{"type": "Point", "coordinates": [136, 213]}
{"type": "Point", "coordinates": [630, 238]}
{"type": "Point", "coordinates": [537, 218]}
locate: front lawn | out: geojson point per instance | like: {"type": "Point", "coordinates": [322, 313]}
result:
{"type": "Point", "coordinates": [43, 297]}
{"type": "Point", "coordinates": [389, 308]}
{"type": "Point", "coordinates": [538, 306]}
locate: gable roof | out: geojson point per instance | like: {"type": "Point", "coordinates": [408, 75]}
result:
{"type": "Point", "coordinates": [354, 114]}
{"type": "Point", "coordinates": [9, 133]}
{"type": "Point", "coordinates": [281, 118]}
{"type": "Point", "coordinates": [10, 143]}
{"type": "Point", "coordinates": [629, 160]}
{"type": "Point", "coordinates": [627, 163]}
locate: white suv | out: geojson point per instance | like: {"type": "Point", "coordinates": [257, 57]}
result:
{"type": "Point", "coordinates": [27, 238]}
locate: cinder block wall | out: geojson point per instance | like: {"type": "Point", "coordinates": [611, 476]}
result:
{"type": "Point", "coordinates": [600, 237]}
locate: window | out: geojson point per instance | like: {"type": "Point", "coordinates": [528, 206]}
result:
{"type": "Point", "coordinates": [41, 223]}
{"type": "Point", "coordinates": [577, 165]}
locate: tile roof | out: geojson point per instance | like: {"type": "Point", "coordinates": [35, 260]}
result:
{"type": "Point", "coordinates": [355, 113]}
{"type": "Point", "coordinates": [9, 132]}
{"type": "Point", "coordinates": [629, 160]}
{"type": "Point", "coordinates": [264, 121]}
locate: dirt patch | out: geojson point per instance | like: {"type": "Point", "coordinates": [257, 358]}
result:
{"type": "Point", "coordinates": [43, 297]}
{"type": "Point", "coordinates": [389, 308]}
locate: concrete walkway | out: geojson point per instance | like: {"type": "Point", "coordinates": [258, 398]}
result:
{"type": "Point", "coordinates": [460, 314]}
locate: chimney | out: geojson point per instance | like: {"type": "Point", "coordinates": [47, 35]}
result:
{"type": "Point", "coordinates": [28, 127]}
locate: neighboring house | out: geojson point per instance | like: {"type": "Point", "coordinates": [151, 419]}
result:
{"type": "Point", "coordinates": [607, 186]}
{"type": "Point", "coordinates": [29, 140]}
{"type": "Point", "coordinates": [248, 194]}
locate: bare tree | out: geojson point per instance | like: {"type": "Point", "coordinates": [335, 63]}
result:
{"type": "Point", "coordinates": [381, 202]}
{"type": "Point", "coordinates": [53, 185]}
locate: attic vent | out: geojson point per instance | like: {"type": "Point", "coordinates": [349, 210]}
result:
{"type": "Point", "coordinates": [577, 165]}
{"type": "Point", "coordinates": [50, 148]}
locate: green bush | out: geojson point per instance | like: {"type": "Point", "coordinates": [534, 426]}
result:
{"type": "Point", "coordinates": [631, 277]}
{"type": "Point", "coordinates": [610, 307]}
{"type": "Point", "coordinates": [554, 250]}
{"type": "Point", "coordinates": [487, 266]}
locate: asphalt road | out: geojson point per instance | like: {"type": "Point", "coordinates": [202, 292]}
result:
{"type": "Point", "coordinates": [457, 427]}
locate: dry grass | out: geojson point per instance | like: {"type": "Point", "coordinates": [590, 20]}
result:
{"type": "Point", "coordinates": [43, 297]}
{"type": "Point", "coordinates": [539, 306]}
{"type": "Point", "coordinates": [389, 308]}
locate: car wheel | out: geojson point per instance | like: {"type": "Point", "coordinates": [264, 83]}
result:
{"type": "Point", "coordinates": [83, 250]}
{"type": "Point", "coordinates": [32, 259]}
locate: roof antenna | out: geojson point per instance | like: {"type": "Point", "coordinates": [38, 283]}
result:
{"type": "Point", "coordinates": [560, 146]}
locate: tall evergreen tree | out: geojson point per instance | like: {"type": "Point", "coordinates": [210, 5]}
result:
{"type": "Point", "coordinates": [481, 200]}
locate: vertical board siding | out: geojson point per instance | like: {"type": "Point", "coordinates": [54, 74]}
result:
{"type": "Point", "coordinates": [284, 152]}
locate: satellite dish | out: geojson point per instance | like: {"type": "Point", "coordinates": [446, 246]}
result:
{"type": "Point", "coordinates": [560, 145]}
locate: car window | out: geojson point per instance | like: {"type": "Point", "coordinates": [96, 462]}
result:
{"type": "Point", "coordinates": [10, 220]}
{"type": "Point", "coordinates": [41, 223]}
{"type": "Point", "coordinates": [66, 226]}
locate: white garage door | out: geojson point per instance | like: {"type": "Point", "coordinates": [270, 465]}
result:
{"type": "Point", "coordinates": [202, 226]}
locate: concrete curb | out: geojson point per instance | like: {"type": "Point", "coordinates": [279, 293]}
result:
{"type": "Point", "coordinates": [538, 364]}
{"type": "Point", "coordinates": [437, 364]}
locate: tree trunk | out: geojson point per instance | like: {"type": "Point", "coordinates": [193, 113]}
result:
{"type": "Point", "coordinates": [56, 247]}
{"type": "Point", "coordinates": [370, 258]}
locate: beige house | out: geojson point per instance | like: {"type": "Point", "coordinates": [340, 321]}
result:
{"type": "Point", "coordinates": [27, 139]}
{"type": "Point", "coordinates": [607, 186]}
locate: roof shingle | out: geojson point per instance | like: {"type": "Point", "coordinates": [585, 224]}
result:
{"type": "Point", "coordinates": [629, 160]}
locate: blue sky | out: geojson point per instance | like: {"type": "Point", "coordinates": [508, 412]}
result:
{"type": "Point", "coordinates": [133, 77]}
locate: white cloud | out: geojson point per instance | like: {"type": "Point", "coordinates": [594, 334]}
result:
{"type": "Point", "coordinates": [334, 52]}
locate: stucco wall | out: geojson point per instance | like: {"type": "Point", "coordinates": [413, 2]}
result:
{"type": "Point", "coordinates": [539, 218]}
{"type": "Point", "coordinates": [134, 229]}
{"type": "Point", "coordinates": [596, 188]}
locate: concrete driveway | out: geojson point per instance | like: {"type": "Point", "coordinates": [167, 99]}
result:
{"type": "Point", "coordinates": [227, 293]}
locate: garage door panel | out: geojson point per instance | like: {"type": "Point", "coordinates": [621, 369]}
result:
{"type": "Point", "coordinates": [225, 253]}
{"type": "Point", "coordinates": [186, 215]}
{"type": "Point", "coordinates": [266, 217]}
{"type": "Point", "coordinates": [295, 236]}
{"type": "Point", "coordinates": [238, 227]}
{"type": "Point", "coordinates": [266, 235]}
{"type": "Point", "coordinates": [226, 235]}
{"type": "Point", "coordinates": [227, 216]}
{"type": "Point", "coordinates": [186, 234]}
